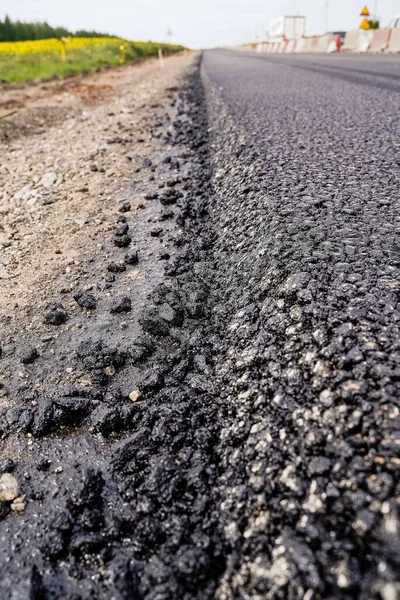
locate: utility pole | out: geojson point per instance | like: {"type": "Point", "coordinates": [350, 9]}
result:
{"type": "Point", "coordinates": [169, 36]}
{"type": "Point", "coordinates": [326, 16]}
{"type": "Point", "coordinates": [376, 10]}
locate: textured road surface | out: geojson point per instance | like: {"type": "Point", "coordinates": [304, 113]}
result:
{"type": "Point", "coordinates": [305, 155]}
{"type": "Point", "coordinates": [236, 435]}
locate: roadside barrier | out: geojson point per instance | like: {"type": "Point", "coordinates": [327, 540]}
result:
{"type": "Point", "coordinates": [364, 40]}
{"type": "Point", "coordinates": [350, 41]}
{"type": "Point", "coordinates": [380, 40]}
{"type": "Point", "coordinates": [321, 45]}
{"type": "Point", "coordinates": [334, 44]}
{"type": "Point", "coordinates": [290, 46]}
{"type": "Point", "coordinates": [308, 44]}
{"type": "Point", "coordinates": [394, 42]}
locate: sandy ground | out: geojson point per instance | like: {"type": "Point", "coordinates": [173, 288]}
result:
{"type": "Point", "coordinates": [67, 157]}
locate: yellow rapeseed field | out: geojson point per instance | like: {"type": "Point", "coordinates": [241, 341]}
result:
{"type": "Point", "coordinates": [52, 45]}
{"type": "Point", "coordinates": [44, 59]}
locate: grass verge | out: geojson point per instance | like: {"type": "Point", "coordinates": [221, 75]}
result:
{"type": "Point", "coordinates": [21, 61]}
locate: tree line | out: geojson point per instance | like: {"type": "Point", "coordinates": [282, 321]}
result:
{"type": "Point", "coordinates": [17, 31]}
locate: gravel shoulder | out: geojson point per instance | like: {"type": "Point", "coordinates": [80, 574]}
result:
{"type": "Point", "coordinates": [107, 419]}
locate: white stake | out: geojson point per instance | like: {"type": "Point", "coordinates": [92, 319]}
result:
{"type": "Point", "coordinates": [161, 58]}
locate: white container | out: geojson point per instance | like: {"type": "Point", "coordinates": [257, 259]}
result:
{"type": "Point", "coordinates": [286, 28]}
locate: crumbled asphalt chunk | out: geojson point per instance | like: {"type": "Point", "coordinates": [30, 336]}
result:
{"type": "Point", "coordinates": [107, 420]}
{"type": "Point", "coordinates": [116, 267]}
{"type": "Point", "coordinates": [131, 257]}
{"type": "Point", "coordinates": [151, 196]}
{"type": "Point", "coordinates": [4, 510]}
{"type": "Point", "coordinates": [122, 241]}
{"type": "Point", "coordinates": [151, 381]}
{"type": "Point", "coordinates": [29, 356]}
{"type": "Point", "coordinates": [126, 206]}
{"type": "Point", "coordinates": [70, 411]}
{"type": "Point", "coordinates": [173, 182]}
{"type": "Point", "coordinates": [123, 304]}
{"type": "Point", "coordinates": [166, 214]}
{"type": "Point", "coordinates": [7, 466]}
{"type": "Point", "coordinates": [56, 315]}
{"type": "Point", "coordinates": [171, 196]}
{"type": "Point", "coordinates": [156, 232]}
{"type": "Point", "coordinates": [164, 256]}
{"type": "Point", "coordinates": [85, 300]}
{"type": "Point", "coordinates": [122, 229]}
{"type": "Point", "coordinates": [44, 422]}
{"type": "Point", "coordinates": [153, 323]}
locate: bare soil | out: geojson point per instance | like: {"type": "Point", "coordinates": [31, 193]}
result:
{"type": "Point", "coordinates": [67, 158]}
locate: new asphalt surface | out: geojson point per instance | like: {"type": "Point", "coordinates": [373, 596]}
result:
{"type": "Point", "coordinates": [305, 156]}
{"type": "Point", "coordinates": [238, 437]}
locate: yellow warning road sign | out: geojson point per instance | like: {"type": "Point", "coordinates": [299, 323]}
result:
{"type": "Point", "coordinates": [364, 12]}
{"type": "Point", "coordinates": [365, 24]}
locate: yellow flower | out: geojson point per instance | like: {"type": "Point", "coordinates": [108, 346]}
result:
{"type": "Point", "coordinates": [52, 45]}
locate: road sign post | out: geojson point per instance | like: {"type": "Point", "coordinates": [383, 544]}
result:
{"type": "Point", "coordinates": [365, 23]}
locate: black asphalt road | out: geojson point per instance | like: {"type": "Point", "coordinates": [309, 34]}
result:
{"type": "Point", "coordinates": [305, 156]}
{"type": "Point", "coordinates": [236, 435]}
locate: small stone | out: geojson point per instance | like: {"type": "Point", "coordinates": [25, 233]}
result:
{"type": "Point", "coordinates": [156, 232]}
{"type": "Point", "coordinates": [151, 381]}
{"type": "Point", "coordinates": [326, 398]}
{"type": "Point", "coordinates": [29, 356]}
{"type": "Point", "coordinates": [85, 300]}
{"type": "Point", "coordinates": [135, 395]}
{"type": "Point", "coordinates": [126, 207]}
{"type": "Point", "coordinates": [9, 487]}
{"type": "Point", "coordinates": [3, 272]}
{"type": "Point", "coordinates": [146, 162]}
{"type": "Point", "coordinates": [122, 241]}
{"type": "Point", "coordinates": [122, 229]}
{"type": "Point", "coordinates": [58, 470]}
{"type": "Point", "coordinates": [151, 196]}
{"type": "Point", "coordinates": [56, 315]}
{"type": "Point", "coordinates": [166, 214]}
{"type": "Point", "coordinates": [110, 371]}
{"type": "Point", "coordinates": [122, 305]}
{"type": "Point", "coordinates": [319, 466]}
{"type": "Point", "coordinates": [131, 257]}
{"type": "Point", "coordinates": [18, 505]}
{"type": "Point", "coordinates": [118, 267]}
{"type": "Point", "coordinates": [48, 179]}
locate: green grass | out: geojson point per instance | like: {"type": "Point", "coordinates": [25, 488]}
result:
{"type": "Point", "coordinates": [23, 67]}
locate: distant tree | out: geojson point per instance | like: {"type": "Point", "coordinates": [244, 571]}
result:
{"type": "Point", "coordinates": [9, 34]}
{"type": "Point", "coordinates": [374, 24]}
{"type": "Point", "coordinates": [19, 31]}
{"type": "Point", "coordinates": [84, 33]}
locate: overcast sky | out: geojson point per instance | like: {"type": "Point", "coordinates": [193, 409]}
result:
{"type": "Point", "coordinates": [194, 23]}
